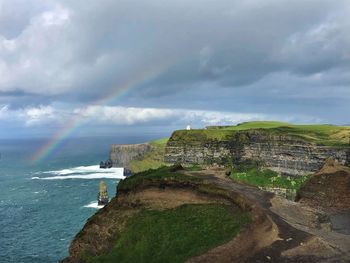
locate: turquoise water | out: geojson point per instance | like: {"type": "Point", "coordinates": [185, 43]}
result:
{"type": "Point", "coordinates": [39, 217]}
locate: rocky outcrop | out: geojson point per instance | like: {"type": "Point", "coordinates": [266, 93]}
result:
{"type": "Point", "coordinates": [122, 154]}
{"type": "Point", "coordinates": [328, 189]}
{"type": "Point", "coordinates": [282, 153]}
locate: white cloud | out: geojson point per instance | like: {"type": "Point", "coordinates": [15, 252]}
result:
{"type": "Point", "coordinates": [38, 115]}
{"type": "Point", "coordinates": [134, 116]}
{"type": "Point", "coordinates": [124, 115]}
{"type": "Point", "coordinates": [43, 116]}
{"type": "Point", "coordinates": [30, 116]}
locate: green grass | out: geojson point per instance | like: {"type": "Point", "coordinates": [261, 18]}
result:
{"type": "Point", "coordinates": [257, 125]}
{"type": "Point", "coordinates": [152, 160]}
{"type": "Point", "coordinates": [175, 235]}
{"type": "Point", "coordinates": [160, 142]}
{"type": "Point", "coordinates": [328, 135]}
{"type": "Point", "coordinates": [154, 175]}
{"type": "Point", "coordinates": [267, 178]}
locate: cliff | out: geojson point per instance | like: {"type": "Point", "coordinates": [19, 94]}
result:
{"type": "Point", "coordinates": [122, 155]}
{"type": "Point", "coordinates": [284, 150]}
{"type": "Point", "coordinates": [139, 157]}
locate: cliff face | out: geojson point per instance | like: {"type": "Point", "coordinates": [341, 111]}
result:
{"type": "Point", "coordinates": [281, 153]}
{"type": "Point", "coordinates": [122, 155]}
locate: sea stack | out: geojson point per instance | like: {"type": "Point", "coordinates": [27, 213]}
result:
{"type": "Point", "coordinates": [102, 195]}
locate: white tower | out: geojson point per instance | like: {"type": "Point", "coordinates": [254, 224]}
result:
{"type": "Point", "coordinates": [188, 127]}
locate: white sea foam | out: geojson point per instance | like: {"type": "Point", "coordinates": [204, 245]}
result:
{"type": "Point", "coordinates": [40, 192]}
{"type": "Point", "coordinates": [94, 205]}
{"type": "Point", "coordinates": [83, 172]}
{"type": "Point", "coordinates": [82, 176]}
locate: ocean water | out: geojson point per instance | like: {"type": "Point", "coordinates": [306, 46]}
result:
{"type": "Point", "coordinates": [43, 205]}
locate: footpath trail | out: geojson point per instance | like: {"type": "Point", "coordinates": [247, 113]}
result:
{"type": "Point", "coordinates": [304, 235]}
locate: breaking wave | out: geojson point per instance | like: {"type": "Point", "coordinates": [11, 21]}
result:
{"type": "Point", "coordinates": [83, 172]}
{"type": "Point", "coordinates": [82, 169]}
{"type": "Point", "coordinates": [94, 205]}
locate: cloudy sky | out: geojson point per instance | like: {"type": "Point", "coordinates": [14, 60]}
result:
{"type": "Point", "coordinates": [107, 65]}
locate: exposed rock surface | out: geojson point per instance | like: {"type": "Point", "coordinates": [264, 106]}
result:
{"type": "Point", "coordinates": [122, 154]}
{"type": "Point", "coordinates": [285, 154]}
{"type": "Point", "coordinates": [328, 189]}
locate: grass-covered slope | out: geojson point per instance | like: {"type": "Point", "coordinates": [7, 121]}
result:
{"type": "Point", "coordinates": [330, 135]}
{"type": "Point", "coordinates": [154, 176]}
{"type": "Point", "coordinates": [151, 160]}
{"type": "Point", "coordinates": [253, 175]}
{"type": "Point", "coordinates": [175, 235]}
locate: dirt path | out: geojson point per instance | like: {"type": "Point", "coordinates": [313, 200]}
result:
{"type": "Point", "coordinates": [304, 234]}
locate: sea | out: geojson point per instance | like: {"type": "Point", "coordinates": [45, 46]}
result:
{"type": "Point", "coordinates": [44, 204]}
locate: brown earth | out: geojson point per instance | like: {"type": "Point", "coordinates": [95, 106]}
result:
{"type": "Point", "coordinates": [328, 189]}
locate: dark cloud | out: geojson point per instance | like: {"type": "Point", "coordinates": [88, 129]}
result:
{"type": "Point", "coordinates": [252, 56]}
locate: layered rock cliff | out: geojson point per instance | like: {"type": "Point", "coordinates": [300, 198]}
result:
{"type": "Point", "coordinates": [280, 152]}
{"type": "Point", "coordinates": [122, 155]}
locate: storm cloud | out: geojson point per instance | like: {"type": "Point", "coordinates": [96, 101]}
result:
{"type": "Point", "coordinates": [268, 59]}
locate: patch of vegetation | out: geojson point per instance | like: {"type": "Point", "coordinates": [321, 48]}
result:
{"type": "Point", "coordinates": [151, 160]}
{"type": "Point", "coordinates": [257, 125]}
{"type": "Point", "coordinates": [154, 175]}
{"type": "Point", "coordinates": [200, 136]}
{"type": "Point", "coordinates": [175, 235]}
{"type": "Point", "coordinates": [328, 135]}
{"type": "Point", "coordinates": [252, 175]}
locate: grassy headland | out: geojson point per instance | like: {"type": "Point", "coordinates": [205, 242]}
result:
{"type": "Point", "coordinates": [327, 135]}
{"type": "Point", "coordinates": [175, 235]}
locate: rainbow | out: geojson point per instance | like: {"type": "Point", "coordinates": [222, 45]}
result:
{"type": "Point", "coordinates": [78, 119]}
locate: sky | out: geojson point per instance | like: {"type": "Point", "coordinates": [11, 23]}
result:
{"type": "Point", "coordinates": [103, 67]}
